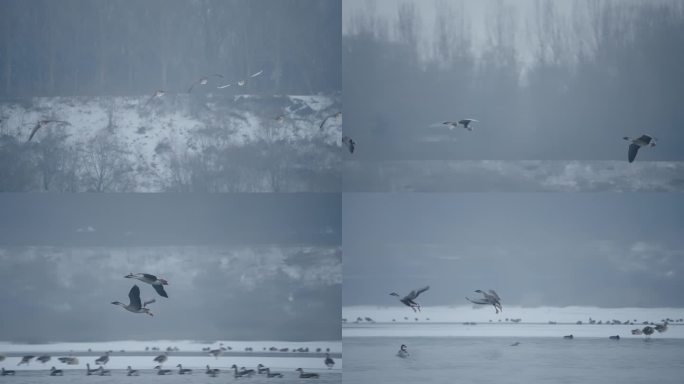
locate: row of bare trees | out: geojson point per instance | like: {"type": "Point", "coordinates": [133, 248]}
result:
{"type": "Point", "coordinates": [106, 47]}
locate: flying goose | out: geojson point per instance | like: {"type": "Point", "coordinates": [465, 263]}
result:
{"type": "Point", "coordinates": [217, 352]}
{"type": "Point", "coordinates": [156, 283]}
{"type": "Point", "coordinates": [303, 375]}
{"type": "Point", "coordinates": [161, 371]}
{"type": "Point", "coordinates": [464, 122]}
{"type": "Point", "coordinates": [68, 360]}
{"type": "Point", "coordinates": [157, 94]}
{"type": "Point", "coordinates": [7, 372]}
{"type": "Point", "coordinates": [135, 305]}
{"type": "Point", "coordinates": [43, 359]}
{"type": "Point", "coordinates": [132, 372]}
{"type": "Point", "coordinates": [161, 358]}
{"type": "Point", "coordinates": [26, 360]}
{"type": "Point", "coordinates": [403, 353]}
{"type": "Point", "coordinates": [636, 143]}
{"type": "Point", "coordinates": [104, 359]}
{"type": "Point", "coordinates": [44, 123]}
{"type": "Point", "coordinates": [334, 115]}
{"type": "Point", "coordinates": [488, 298]}
{"type": "Point", "coordinates": [242, 82]}
{"type": "Point", "coordinates": [349, 143]}
{"type": "Point", "coordinates": [203, 81]}
{"type": "Point", "coordinates": [409, 300]}
{"type": "Point", "coordinates": [329, 362]}
{"type": "Point", "coordinates": [183, 371]}
{"type": "Point", "coordinates": [56, 372]}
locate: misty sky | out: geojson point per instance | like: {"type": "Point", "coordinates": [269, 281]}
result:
{"type": "Point", "coordinates": [612, 250]}
{"type": "Point", "coordinates": [548, 80]}
{"type": "Point", "coordinates": [242, 267]}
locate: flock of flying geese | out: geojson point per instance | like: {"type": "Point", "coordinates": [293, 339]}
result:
{"type": "Point", "coordinates": [492, 298]}
{"type": "Point", "coordinates": [635, 142]}
{"type": "Point", "coordinates": [488, 298]}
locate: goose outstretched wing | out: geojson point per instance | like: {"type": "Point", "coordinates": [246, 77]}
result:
{"type": "Point", "coordinates": [134, 297]}
{"type": "Point", "coordinates": [414, 294]}
{"type": "Point", "coordinates": [633, 149]}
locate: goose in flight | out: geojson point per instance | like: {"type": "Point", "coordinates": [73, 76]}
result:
{"type": "Point", "coordinates": [156, 283]}
{"type": "Point", "coordinates": [464, 122]}
{"type": "Point", "coordinates": [183, 371]}
{"type": "Point", "coordinates": [43, 359]}
{"type": "Point", "coordinates": [203, 81]}
{"type": "Point", "coordinates": [409, 300]}
{"type": "Point", "coordinates": [304, 375]}
{"type": "Point", "coordinates": [45, 123]}
{"type": "Point", "coordinates": [403, 352]}
{"type": "Point", "coordinates": [349, 143]}
{"type": "Point", "coordinates": [132, 372]}
{"type": "Point", "coordinates": [333, 116]}
{"type": "Point", "coordinates": [7, 372]}
{"type": "Point", "coordinates": [26, 360]}
{"type": "Point", "coordinates": [104, 359]}
{"type": "Point", "coordinates": [157, 94]}
{"type": "Point", "coordinates": [56, 372]}
{"type": "Point", "coordinates": [217, 352]}
{"type": "Point", "coordinates": [161, 371]}
{"type": "Point", "coordinates": [212, 371]}
{"type": "Point", "coordinates": [636, 143]}
{"type": "Point", "coordinates": [488, 298]}
{"type": "Point", "coordinates": [161, 358]}
{"type": "Point", "coordinates": [135, 305]}
{"type": "Point", "coordinates": [329, 362]}
{"type": "Point", "coordinates": [242, 82]}
{"type": "Point", "coordinates": [68, 360]}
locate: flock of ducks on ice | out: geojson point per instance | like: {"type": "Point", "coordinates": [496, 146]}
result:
{"type": "Point", "coordinates": [241, 372]}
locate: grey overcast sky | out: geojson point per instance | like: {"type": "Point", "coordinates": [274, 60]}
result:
{"type": "Point", "coordinates": [608, 250]}
{"type": "Point", "coordinates": [241, 267]}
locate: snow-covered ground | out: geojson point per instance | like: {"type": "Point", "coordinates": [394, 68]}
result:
{"type": "Point", "coordinates": [189, 354]}
{"type": "Point", "coordinates": [514, 321]}
{"type": "Point", "coordinates": [174, 128]}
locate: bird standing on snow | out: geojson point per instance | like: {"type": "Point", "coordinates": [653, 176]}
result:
{"type": "Point", "coordinates": [135, 305]}
{"type": "Point", "coordinates": [409, 300]}
{"type": "Point", "coordinates": [156, 283]}
{"type": "Point", "coordinates": [642, 141]}
{"type": "Point", "coordinates": [488, 298]}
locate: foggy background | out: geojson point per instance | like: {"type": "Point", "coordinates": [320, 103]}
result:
{"type": "Point", "coordinates": [121, 47]}
{"type": "Point", "coordinates": [240, 267]}
{"type": "Point", "coordinates": [604, 250]}
{"type": "Point", "coordinates": [548, 80]}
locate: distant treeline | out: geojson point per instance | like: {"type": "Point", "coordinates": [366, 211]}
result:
{"type": "Point", "coordinates": [123, 47]}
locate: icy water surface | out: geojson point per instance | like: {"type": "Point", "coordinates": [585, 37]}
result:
{"type": "Point", "coordinates": [494, 360]}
